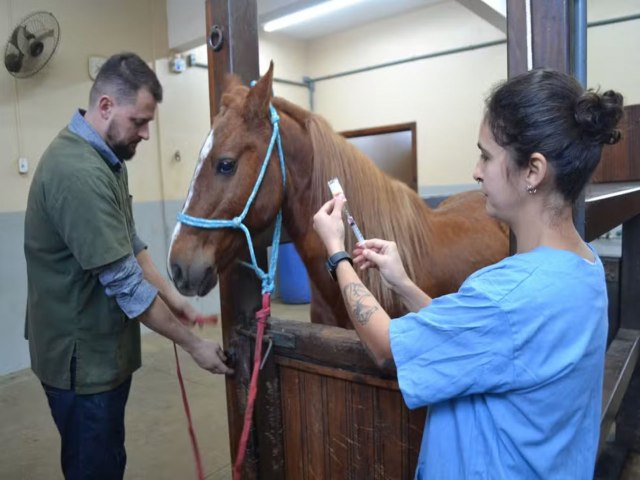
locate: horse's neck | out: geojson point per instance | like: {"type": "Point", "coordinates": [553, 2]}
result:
{"type": "Point", "coordinates": [298, 154]}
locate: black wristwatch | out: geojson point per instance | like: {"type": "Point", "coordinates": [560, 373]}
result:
{"type": "Point", "coordinates": [333, 260]}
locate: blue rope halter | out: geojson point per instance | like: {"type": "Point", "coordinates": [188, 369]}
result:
{"type": "Point", "coordinates": [267, 278]}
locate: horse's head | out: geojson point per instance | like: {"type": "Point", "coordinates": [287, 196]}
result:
{"type": "Point", "coordinates": [228, 168]}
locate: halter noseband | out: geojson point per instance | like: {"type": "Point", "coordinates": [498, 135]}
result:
{"type": "Point", "coordinates": [267, 278]}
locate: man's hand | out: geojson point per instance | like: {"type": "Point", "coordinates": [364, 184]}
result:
{"type": "Point", "coordinates": [211, 357]}
{"type": "Point", "coordinates": [187, 314]}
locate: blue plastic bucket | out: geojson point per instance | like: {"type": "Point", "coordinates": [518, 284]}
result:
{"type": "Point", "coordinates": [292, 277]}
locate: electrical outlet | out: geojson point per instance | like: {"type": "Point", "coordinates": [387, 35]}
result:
{"type": "Point", "coordinates": [23, 165]}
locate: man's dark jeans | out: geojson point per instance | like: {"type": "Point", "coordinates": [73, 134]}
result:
{"type": "Point", "coordinates": [91, 429]}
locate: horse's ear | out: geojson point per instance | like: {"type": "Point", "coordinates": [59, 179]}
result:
{"type": "Point", "coordinates": [257, 103]}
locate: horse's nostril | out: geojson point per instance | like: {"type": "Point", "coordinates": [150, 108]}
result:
{"type": "Point", "coordinates": [176, 273]}
{"type": "Point", "coordinates": [208, 275]}
{"type": "Point", "coordinates": [206, 282]}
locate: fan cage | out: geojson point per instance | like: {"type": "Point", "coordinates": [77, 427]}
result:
{"type": "Point", "coordinates": [32, 44]}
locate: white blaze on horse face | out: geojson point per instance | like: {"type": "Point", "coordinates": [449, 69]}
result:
{"type": "Point", "coordinates": [204, 153]}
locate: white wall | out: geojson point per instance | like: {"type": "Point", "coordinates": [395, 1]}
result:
{"type": "Point", "coordinates": [186, 26]}
{"type": "Point", "coordinates": [443, 95]}
{"type": "Point", "coordinates": [291, 62]}
{"type": "Point", "coordinates": [613, 60]}
{"type": "Point", "coordinates": [34, 109]}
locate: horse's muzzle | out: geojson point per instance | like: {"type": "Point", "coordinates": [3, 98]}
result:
{"type": "Point", "coordinates": [192, 280]}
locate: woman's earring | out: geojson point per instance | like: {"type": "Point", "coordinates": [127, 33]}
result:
{"type": "Point", "coordinates": [531, 190]}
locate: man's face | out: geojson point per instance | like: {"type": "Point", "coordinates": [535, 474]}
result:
{"type": "Point", "coordinates": [129, 124]}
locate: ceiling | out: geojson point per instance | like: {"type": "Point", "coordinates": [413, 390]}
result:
{"type": "Point", "coordinates": [365, 11]}
{"type": "Point", "coordinates": [185, 17]}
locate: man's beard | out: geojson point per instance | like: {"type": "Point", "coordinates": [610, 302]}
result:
{"type": "Point", "coordinates": [124, 151]}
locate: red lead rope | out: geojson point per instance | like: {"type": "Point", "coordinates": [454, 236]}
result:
{"type": "Point", "coordinates": [261, 317]}
{"type": "Point", "coordinates": [187, 411]}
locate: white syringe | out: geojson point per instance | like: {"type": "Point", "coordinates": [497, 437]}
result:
{"type": "Point", "coordinates": [336, 189]}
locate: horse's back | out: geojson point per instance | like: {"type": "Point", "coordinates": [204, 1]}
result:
{"type": "Point", "coordinates": [470, 199]}
{"type": "Point", "coordinates": [464, 239]}
{"type": "Point", "coordinates": [470, 205]}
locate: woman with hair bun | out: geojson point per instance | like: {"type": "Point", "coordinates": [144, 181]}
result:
{"type": "Point", "coordinates": [511, 366]}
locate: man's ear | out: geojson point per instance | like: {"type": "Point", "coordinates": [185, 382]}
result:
{"type": "Point", "coordinates": [105, 106]}
{"type": "Point", "coordinates": [257, 103]}
{"type": "Point", "coordinates": [536, 170]}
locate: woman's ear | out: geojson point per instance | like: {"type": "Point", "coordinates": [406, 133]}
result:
{"type": "Point", "coordinates": [536, 170]}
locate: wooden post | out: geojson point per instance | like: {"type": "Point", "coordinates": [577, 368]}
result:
{"type": "Point", "coordinates": [540, 34]}
{"type": "Point", "coordinates": [628, 421]}
{"type": "Point", "coordinates": [234, 27]}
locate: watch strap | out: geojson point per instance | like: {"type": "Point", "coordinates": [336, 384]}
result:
{"type": "Point", "coordinates": [334, 260]}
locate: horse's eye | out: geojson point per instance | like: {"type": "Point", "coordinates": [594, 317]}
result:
{"type": "Point", "coordinates": [226, 166]}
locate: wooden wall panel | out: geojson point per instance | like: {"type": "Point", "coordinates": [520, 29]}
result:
{"type": "Point", "coordinates": [621, 162]}
{"type": "Point", "coordinates": [291, 394]}
{"type": "Point", "coordinates": [314, 425]}
{"type": "Point", "coordinates": [391, 453]}
{"type": "Point", "coordinates": [339, 427]}
{"type": "Point", "coordinates": [362, 442]}
{"type": "Point", "coordinates": [345, 425]}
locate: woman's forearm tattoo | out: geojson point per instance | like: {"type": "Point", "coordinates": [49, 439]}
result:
{"type": "Point", "coordinates": [355, 294]}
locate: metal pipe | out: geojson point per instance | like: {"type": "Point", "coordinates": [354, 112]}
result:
{"type": "Point", "coordinates": [411, 59]}
{"type": "Point", "coordinates": [311, 85]}
{"type": "Point", "coordinates": [580, 35]}
{"type": "Point", "coordinates": [579, 58]}
{"type": "Point", "coordinates": [291, 82]}
{"type": "Point", "coordinates": [610, 21]}
{"type": "Point", "coordinates": [278, 80]}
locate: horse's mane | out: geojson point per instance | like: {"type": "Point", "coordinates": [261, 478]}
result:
{"type": "Point", "coordinates": [382, 207]}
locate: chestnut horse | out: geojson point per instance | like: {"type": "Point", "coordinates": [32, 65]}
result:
{"type": "Point", "coordinates": [439, 247]}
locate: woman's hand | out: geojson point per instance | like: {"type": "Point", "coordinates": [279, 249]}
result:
{"type": "Point", "coordinates": [328, 224]}
{"type": "Point", "coordinates": [383, 255]}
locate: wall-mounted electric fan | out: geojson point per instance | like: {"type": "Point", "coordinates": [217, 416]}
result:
{"type": "Point", "coordinates": [31, 44]}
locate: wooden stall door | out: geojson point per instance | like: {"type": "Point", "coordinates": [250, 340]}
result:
{"type": "Point", "coordinates": [325, 411]}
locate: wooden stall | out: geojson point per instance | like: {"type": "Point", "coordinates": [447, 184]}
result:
{"type": "Point", "coordinates": [324, 410]}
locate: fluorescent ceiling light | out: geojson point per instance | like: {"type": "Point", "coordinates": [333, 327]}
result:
{"type": "Point", "coordinates": [308, 14]}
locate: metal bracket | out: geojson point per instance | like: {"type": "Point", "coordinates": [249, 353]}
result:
{"type": "Point", "coordinates": [279, 339]}
{"type": "Point", "coordinates": [282, 339]}
{"type": "Point", "coordinates": [216, 38]}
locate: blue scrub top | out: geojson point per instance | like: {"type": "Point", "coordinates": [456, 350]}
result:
{"type": "Point", "coordinates": [511, 367]}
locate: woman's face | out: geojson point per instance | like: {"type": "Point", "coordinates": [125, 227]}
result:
{"type": "Point", "coordinates": [498, 177]}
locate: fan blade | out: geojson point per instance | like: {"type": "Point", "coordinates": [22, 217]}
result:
{"type": "Point", "coordinates": [43, 35]}
{"type": "Point", "coordinates": [13, 62]}
{"type": "Point", "coordinates": [20, 39]}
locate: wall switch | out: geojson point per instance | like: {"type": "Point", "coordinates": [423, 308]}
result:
{"type": "Point", "coordinates": [23, 165]}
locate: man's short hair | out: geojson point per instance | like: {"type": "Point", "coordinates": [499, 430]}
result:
{"type": "Point", "coordinates": [122, 76]}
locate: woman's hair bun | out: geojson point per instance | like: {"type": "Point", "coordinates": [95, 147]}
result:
{"type": "Point", "coordinates": [598, 115]}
